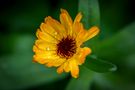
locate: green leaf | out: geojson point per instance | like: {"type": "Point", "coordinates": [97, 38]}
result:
{"type": "Point", "coordinates": [99, 65]}
{"type": "Point", "coordinates": [90, 11]}
{"type": "Point", "coordinates": [120, 49]}
{"type": "Point", "coordinates": [83, 82]}
{"type": "Point", "coordinates": [119, 46]}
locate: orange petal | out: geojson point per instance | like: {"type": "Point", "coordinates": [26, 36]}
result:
{"type": "Point", "coordinates": [47, 55]}
{"type": "Point", "coordinates": [63, 11]}
{"type": "Point", "coordinates": [50, 63]}
{"type": "Point", "coordinates": [37, 50]}
{"type": "Point", "coordinates": [45, 36]}
{"type": "Point", "coordinates": [66, 21]}
{"type": "Point", "coordinates": [66, 67]}
{"type": "Point", "coordinates": [81, 37]}
{"type": "Point", "coordinates": [44, 55]}
{"type": "Point", "coordinates": [47, 29]}
{"type": "Point", "coordinates": [47, 46]}
{"type": "Point", "coordinates": [78, 18]}
{"type": "Point", "coordinates": [56, 62]}
{"type": "Point", "coordinates": [59, 62]}
{"type": "Point", "coordinates": [92, 32]}
{"type": "Point", "coordinates": [60, 69]}
{"type": "Point", "coordinates": [82, 55]}
{"type": "Point", "coordinates": [54, 27]}
{"type": "Point", "coordinates": [39, 60]}
{"type": "Point", "coordinates": [74, 68]}
{"type": "Point", "coordinates": [77, 28]}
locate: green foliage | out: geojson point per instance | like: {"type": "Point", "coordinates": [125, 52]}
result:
{"type": "Point", "coordinates": [90, 11]}
{"type": "Point", "coordinates": [98, 65]}
{"type": "Point", "coordinates": [83, 82]}
{"type": "Point", "coordinates": [18, 71]}
{"type": "Point", "coordinates": [121, 44]}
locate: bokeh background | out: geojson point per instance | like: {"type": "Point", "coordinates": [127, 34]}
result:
{"type": "Point", "coordinates": [19, 20]}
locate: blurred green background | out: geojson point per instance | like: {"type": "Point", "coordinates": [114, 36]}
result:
{"type": "Point", "coordinates": [19, 20]}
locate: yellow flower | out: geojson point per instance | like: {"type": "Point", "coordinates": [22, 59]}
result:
{"type": "Point", "coordinates": [59, 43]}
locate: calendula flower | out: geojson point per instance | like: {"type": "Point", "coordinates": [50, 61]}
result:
{"type": "Point", "coordinates": [59, 43]}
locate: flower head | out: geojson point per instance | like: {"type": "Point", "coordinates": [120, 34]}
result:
{"type": "Point", "coordinates": [59, 43]}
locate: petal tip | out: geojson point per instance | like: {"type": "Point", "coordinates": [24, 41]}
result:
{"type": "Point", "coordinates": [78, 17]}
{"type": "Point", "coordinates": [75, 76]}
{"type": "Point", "coordinates": [96, 29]}
{"type": "Point", "coordinates": [60, 70]}
{"type": "Point", "coordinates": [88, 50]}
{"type": "Point", "coordinates": [63, 10]}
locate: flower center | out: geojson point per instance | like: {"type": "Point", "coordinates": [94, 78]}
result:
{"type": "Point", "coordinates": [66, 48]}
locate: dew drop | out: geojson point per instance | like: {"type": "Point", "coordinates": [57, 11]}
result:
{"type": "Point", "coordinates": [47, 48]}
{"type": "Point", "coordinates": [55, 33]}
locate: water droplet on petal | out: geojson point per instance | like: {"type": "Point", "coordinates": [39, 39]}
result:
{"type": "Point", "coordinates": [55, 33]}
{"type": "Point", "coordinates": [47, 48]}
